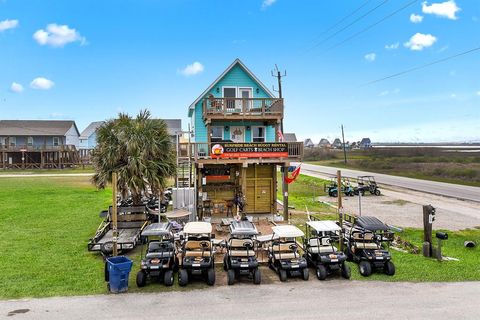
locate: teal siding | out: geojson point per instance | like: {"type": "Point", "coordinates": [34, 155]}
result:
{"type": "Point", "coordinates": [269, 134]}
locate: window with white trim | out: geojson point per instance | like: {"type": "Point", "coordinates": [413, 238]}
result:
{"type": "Point", "coordinates": [12, 141]}
{"type": "Point", "coordinates": [30, 141]}
{"type": "Point", "coordinates": [56, 141]}
{"type": "Point", "coordinates": [258, 134]}
{"type": "Point", "coordinates": [3, 142]}
{"type": "Point", "coordinates": [216, 134]}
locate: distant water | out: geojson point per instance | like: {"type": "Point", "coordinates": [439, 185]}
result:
{"type": "Point", "coordinates": [449, 148]}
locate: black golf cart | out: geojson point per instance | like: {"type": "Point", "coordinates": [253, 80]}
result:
{"type": "Point", "coordinates": [367, 183]}
{"type": "Point", "coordinates": [240, 258]}
{"type": "Point", "coordinates": [366, 241]}
{"type": "Point", "coordinates": [320, 250]}
{"type": "Point", "coordinates": [284, 256]}
{"type": "Point", "coordinates": [197, 253]}
{"type": "Point", "coordinates": [160, 256]}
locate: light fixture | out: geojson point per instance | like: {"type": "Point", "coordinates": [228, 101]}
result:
{"type": "Point", "coordinates": [218, 90]}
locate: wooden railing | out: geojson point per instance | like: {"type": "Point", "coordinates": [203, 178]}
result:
{"type": "Point", "coordinates": [201, 150]}
{"type": "Point", "coordinates": [37, 148]}
{"type": "Point", "coordinates": [243, 107]}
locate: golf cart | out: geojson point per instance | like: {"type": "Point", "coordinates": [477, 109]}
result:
{"type": "Point", "coordinates": [197, 253]}
{"type": "Point", "coordinates": [320, 250]}
{"type": "Point", "coordinates": [365, 239]}
{"type": "Point", "coordinates": [240, 258]}
{"type": "Point", "coordinates": [160, 257]}
{"type": "Point", "coordinates": [283, 256]}
{"type": "Point", "coordinates": [367, 183]}
{"type": "Point", "coordinates": [332, 190]}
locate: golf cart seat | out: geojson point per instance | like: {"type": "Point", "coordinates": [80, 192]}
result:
{"type": "Point", "coordinates": [195, 248]}
{"type": "Point", "coordinates": [367, 236]}
{"type": "Point", "coordinates": [366, 245]}
{"type": "Point", "coordinates": [242, 253]}
{"type": "Point", "coordinates": [280, 247]}
{"type": "Point", "coordinates": [286, 255]}
{"type": "Point", "coordinates": [316, 245]}
{"type": "Point", "coordinates": [240, 243]}
{"type": "Point", "coordinates": [164, 254]}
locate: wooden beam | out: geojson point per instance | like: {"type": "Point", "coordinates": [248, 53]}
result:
{"type": "Point", "coordinates": [114, 213]}
{"type": "Point", "coordinates": [285, 192]}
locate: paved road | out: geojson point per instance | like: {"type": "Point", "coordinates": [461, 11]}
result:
{"type": "Point", "coordinates": [439, 188]}
{"type": "Point", "coordinates": [335, 299]}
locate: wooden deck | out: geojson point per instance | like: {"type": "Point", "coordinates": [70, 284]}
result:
{"type": "Point", "coordinates": [263, 109]}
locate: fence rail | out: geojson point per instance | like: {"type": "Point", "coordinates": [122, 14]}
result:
{"type": "Point", "coordinates": [243, 107]}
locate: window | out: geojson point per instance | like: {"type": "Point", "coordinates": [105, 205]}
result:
{"type": "Point", "coordinates": [13, 141]}
{"type": "Point", "coordinates": [30, 141]}
{"type": "Point", "coordinates": [258, 134]}
{"type": "Point", "coordinates": [216, 134]}
{"type": "Point", "coordinates": [56, 141]}
{"type": "Point", "coordinates": [3, 142]}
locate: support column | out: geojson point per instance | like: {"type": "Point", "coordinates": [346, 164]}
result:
{"type": "Point", "coordinates": [199, 193]}
{"type": "Point", "coordinates": [243, 185]}
{"type": "Point", "coordinates": [285, 192]}
{"type": "Point", "coordinates": [275, 187]}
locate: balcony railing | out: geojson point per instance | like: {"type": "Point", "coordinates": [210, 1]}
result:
{"type": "Point", "coordinates": [254, 108]}
{"type": "Point", "coordinates": [203, 151]}
{"type": "Point", "coordinates": [37, 148]}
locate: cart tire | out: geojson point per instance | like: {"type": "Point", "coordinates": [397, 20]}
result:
{"type": "Point", "coordinates": [377, 192]}
{"type": "Point", "coordinates": [365, 268]}
{"type": "Point", "coordinates": [321, 272]}
{"type": "Point", "coordinates": [141, 279]}
{"type": "Point", "coordinates": [225, 262]}
{"type": "Point", "coordinates": [389, 268]}
{"type": "Point", "coordinates": [183, 278]}
{"type": "Point", "coordinates": [305, 274]}
{"type": "Point", "coordinates": [346, 271]}
{"type": "Point", "coordinates": [283, 275]}
{"type": "Point", "coordinates": [334, 194]}
{"type": "Point", "coordinates": [168, 278]}
{"type": "Point", "coordinates": [257, 276]}
{"type": "Point", "coordinates": [230, 277]}
{"type": "Point", "coordinates": [107, 274]}
{"type": "Point", "coordinates": [362, 192]}
{"type": "Point", "coordinates": [211, 276]}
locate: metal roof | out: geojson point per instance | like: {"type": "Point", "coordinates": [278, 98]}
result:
{"type": "Point", "coordinates": [371, 223]}
{"type": "Point", "coordinates": [92, 127]}
{"type": "Point", "coordinates": [157, 229]}
{"type": "Point", "coordinates": [287, 231]}
{"type": "Point", "coordinates": [324, 225]}
{"type": "Point", "coordinates": [197, 227]}
{"type": "Point", "coordinates": [290, 137]}
{"type": "Point", "coordinates": [243, 228]}
{"type": "Point", "coordinates": [36, 127]}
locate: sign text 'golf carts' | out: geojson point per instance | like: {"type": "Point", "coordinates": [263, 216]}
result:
{"type": "Point", "coordinates": [250, 150]}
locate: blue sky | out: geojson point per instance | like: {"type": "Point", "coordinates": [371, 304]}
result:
{"type": "Point", "coordinates": [88, 60]}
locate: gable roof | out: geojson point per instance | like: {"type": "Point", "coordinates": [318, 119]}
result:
{"type": "Point", "coordinates": [92, 127]}
{"type": "Point", "coordinates": [230, 67]}
{"type": "Point", "coordinates": [36, 127]}
{"type": "Point", "coordinates": [365, 140]}
{"type": "Point", "coordinates": [290, 137]}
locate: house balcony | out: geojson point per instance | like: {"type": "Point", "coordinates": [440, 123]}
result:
{"type": "Point", "coordinates": [221, 152]}
{"type": "Point", "coordinates": [234, 109]}
{"type": "Point", "coordinates": [37, 148]}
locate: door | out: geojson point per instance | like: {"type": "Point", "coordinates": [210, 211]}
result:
{"type": "Point", "coordinates": [230, 94]}
{"type": "Point", "coordinates": [237, 134]}
{"type": "Point", "coordinates": [260, 189]}
{"type": "Point", "coordinates": [246, 102]}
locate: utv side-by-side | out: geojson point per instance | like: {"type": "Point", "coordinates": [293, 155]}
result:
{"type": "Point", "coordinates": [367, 240]}
{"type": "Point", "coordinates": [241, 256]}
{"type": "Point", "coordinates": [367, 184]}
{"type": "Point", "coordinates": [197, 254]}
{"type": "Point", "coordinates": [321, 252]}
{"type": "Point", "coordinates": [160, 257]}
{"type": "Point", "coordinates": [284, 256]}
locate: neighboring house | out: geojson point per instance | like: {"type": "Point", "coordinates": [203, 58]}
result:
{"type": "Point", "coordinates": [236, 148]}
{"type": "Point", "coordinates": [174, 128]}
{"type": "Point", "coordinates": [38, 143]}
{"type": "Point", "coordinates": [290, 137]}
{"type": "Point", "coordinates": [324, 143]}
{"type": "Point", "coordinates": [337, 144]}
{"type": "Point", "coordinates": [88, 137]}
{"type": "Point", "coordinates": [365, 143]}
{"type": "Point", "coordinates": [308, 143]}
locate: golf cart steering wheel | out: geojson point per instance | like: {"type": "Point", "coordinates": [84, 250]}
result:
{"type": "Point", "coordinates": [293, 246]}
{"type": "Point", "coordinates": [204, 244]}
{"type": "Point", "coordinates": [162, 245]}
{"type": "Point", "coordinates": [247, 245]}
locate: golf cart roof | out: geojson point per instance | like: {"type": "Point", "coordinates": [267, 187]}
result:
{"type": "Point", "coordinates": [325, 225]}
{"type": "Point", "coordinates": [371, 223]}
{"type": "Point", "coordinates": [197, 227]}
{"type": "Point", "coordinates": [243, 228]}
{"type": "Point", "coordinates": [157, 229]}
{"type": "Point", "coordinates": [287, 231]}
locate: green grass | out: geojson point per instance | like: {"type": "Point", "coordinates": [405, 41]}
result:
{"type": "Point", "coordinates": [48, 171]}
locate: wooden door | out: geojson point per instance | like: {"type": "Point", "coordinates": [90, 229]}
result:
{"type": "Point", "coordinates": [259, 189]}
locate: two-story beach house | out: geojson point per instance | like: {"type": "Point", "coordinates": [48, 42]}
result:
{"type": "Point", "coordinates": [236, 150]}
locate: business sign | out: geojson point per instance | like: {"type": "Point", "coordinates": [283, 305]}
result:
{"type": "Point", "coordinates": [228, 150]}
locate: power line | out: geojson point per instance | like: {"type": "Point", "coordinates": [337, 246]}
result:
{"type": "Point", "coordinates": [348, 25]}
{"type": "Point", "coordinates": [373, 25]}
{"type": "Point", "coordinates": [422, 66]}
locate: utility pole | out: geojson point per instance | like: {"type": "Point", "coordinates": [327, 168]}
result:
{"type": "Point", "coordinates": [114, 213]}
{"type": "Point", "coordinates": [277, 74]}
{"type": "Point", "coordinates": [344, 147]}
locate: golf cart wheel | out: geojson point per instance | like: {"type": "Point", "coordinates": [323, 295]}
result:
{"type": "Point", "coordinates": [141, 279]}
{"type": "Point", "coordinates": [283, 275]}
{"type": "Point", "coordinates": [377, 192]}
{"type": "Point", "coordinates": [183, 278]}
{"type": "Point", "coordinates": [211, 276]}
{"type": "Point", "coordinates": [107, 274]}
{"type": "Point", "coordinates": [230, 276]}
{"type": "Point", "coordinates": [365, 268]}
{"type": "Point", "coordinates": [305, 274]}
{"type": "Point", "coordinates": [257, 276]}
{"type": "Point", "coordinates": [389, 268]}
{"type": "Point", "coordinates": [321, 272]}
{"type": "Point", "coordinates": [346, 271]}
{"type": "Point", "coordinates": [362, 192]}
{"type": "Point", "coordinates": [168, 278]}
{"type": "Point", "coordinates": [225, 263]}
{"type": "Point", "coordinates": [334, 194]}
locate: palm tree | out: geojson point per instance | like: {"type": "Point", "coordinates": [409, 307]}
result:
{"type": "Point", "coordinates": [139, 150]}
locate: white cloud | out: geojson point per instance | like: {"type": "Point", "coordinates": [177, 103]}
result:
{"type": "Point", "coordinates": [392, 46]}
{"type": "Point", "coordinates": [370, 57]}
{"type": "Point", "coordinates": [478, 93]}
{"type": "Point", "coordinates": [192, 69]}
{"type": "Point", "coordinates": [267, 3]}
{"type": "Point", "coordinates": [41, 83]}
{"type": "Point", "coordinates": [447, 9]}
{"type": "Point", "coordinates": [419, 41]}
{"type": "Point", "coordinates": [416, 18]}
{"type": "Point", "coordinates": [8, 24]}
{"type": "Point", "coordinates": [16, 87]}
{"type": "Point", "coordinates": [57, 35]}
